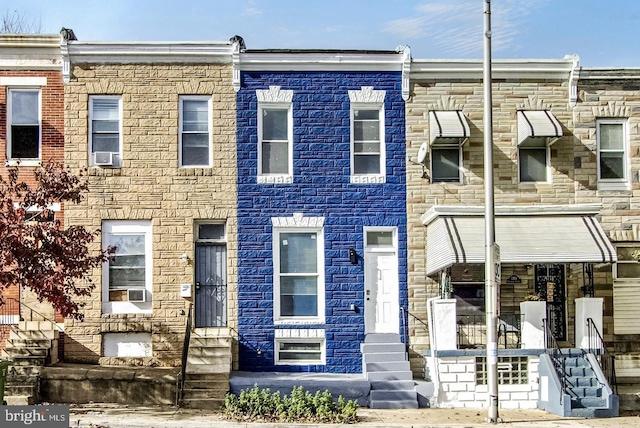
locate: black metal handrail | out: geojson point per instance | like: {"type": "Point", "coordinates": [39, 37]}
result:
{"type": "Point", "coordinates": [185, 354]}
{"type": "Point", "coordinates": [557, 357]}
{"type": "Point", "coordinates": [405, 337]}
{"type": "Point", "coordinates": [606, 360]}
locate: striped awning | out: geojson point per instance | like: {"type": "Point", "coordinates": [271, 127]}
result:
{"type": "Point", "coordinates": [448, 127]}
{"type": "Point", "coordinates": [524, 236]}
{"type": "Point", "coordinates": [537, 128]}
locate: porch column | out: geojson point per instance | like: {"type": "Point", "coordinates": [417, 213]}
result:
{"type": "Point", "coordinates": [444, 322]}
{"type": "Point", "coordinates": [588, 307]}
{"type": "Point", "coordinates": [533, 313]}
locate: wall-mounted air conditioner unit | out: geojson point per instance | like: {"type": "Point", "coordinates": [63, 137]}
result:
{"type": "Point", "coordinates": [103, 158]}
{"type": "Point", "coordinates": [137, 295]}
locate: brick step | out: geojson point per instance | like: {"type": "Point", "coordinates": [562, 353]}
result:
{"type": "Point", "coordinates": [24, 370]}
{"type": "Point", "coordinates": [206, 384]}
{"type": "Point", "coordinates": [19, 400]}
{"type": "Point", "coordinates": [29, 361]}
{"type": "Point", "coordinates": [189, 394]}
{"type": "Point", "coordinates": [201, 367]}
{"type": "Point", "coordinates": [217, 352]}
{"type": "Point", "coordinates": [11, 389]}
{"type": "Point", "coordinates": [34, 334]}
{"type": "Point", "coordinates": [37, 325]}
{"type": "Point", "coordinates": [25, 352]}
{"type": "Point", "coordinates": [221, 342]}
{"type": "Point", "coordinates": [29, 343]}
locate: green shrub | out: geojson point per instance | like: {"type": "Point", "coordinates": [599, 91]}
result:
{"type": "Point", "coordinates": [257, 404]}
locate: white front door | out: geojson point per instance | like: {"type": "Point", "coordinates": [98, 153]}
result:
{"type": "Point", "coordinates": [382, 304]}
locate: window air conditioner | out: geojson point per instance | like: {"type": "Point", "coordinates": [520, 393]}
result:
{"type": "Point", "coordinates": [103, 158]}
{"type": "Point", "coordinates": [136, 295]}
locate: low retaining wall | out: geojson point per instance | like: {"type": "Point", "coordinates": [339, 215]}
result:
{"type": "Point", "coordinates": [80, 383]}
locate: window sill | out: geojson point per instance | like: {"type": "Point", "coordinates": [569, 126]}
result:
{"type": "Point", "coordinates": [275, 179]}
{"type": "Point", "coordinates": [617, 185]}
{"type": "Point", "coordinates": [298, 321]}
{"type": "Point", "coordinates": [23, 162]}
{"type": "Point", "coordinates": [368, 179]}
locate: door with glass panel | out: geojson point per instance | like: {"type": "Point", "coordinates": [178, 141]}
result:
{"type": "Point", "coordinates": [382, 306]}
{"type": "Point", "coordinates": [211, 276]}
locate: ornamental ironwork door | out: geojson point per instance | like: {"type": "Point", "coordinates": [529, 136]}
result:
{"type": "Point", "coordinates": [211, 286]}
{"type": "Point", "coordinates": [550, 285]}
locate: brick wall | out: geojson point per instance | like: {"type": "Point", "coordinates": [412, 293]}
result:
{"type": "Point", "coordinates": [150, 186]}
{"type": "Point", "coordinates": [320, 188]}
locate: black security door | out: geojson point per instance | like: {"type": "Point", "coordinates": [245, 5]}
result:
{"type": "Point", "coordinates": [211, 286]}
{"type": "Point", "coordinates": [550, 285]}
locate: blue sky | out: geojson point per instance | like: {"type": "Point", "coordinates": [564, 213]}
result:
{"type": "Point", "coordinates": [602, 32]}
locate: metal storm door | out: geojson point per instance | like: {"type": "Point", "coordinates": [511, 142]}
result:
{"type": "Point", "coordinates": [550, 285]}
{"type": "Point", "coordinates": [381, 292]}
{"type": "Point", "coordinates": [211, 285]}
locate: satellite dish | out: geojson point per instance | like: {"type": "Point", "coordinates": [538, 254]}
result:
{"type": "Point", "coordinates": [422, 153]}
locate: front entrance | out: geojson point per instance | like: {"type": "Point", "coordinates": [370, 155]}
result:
{"type": "Point", "coordinates": [211, 278]}
{"type": "Point", "coordinates": [550, 285]}
{"type": "Point", "coordinates": [382, 304]}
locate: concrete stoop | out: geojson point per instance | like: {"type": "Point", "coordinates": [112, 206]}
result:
{"type": "Point", "coordinates": [208, 369]}
{"type": "Point", "coordinates": [386, 367]}
{"type": "Point", "coordinates": [31, 346]}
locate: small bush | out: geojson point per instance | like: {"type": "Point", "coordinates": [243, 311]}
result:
{"type": "Point", "coordinates": [257, 404]}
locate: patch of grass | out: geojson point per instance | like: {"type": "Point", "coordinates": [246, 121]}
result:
{"type": "Point", "coordinates": [300, 406]}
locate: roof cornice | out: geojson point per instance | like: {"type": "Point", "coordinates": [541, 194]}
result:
{"type": "Point", "coordinates": [30, 51]}
{"type": "Point", "coordinates": [145, 52]}
{"type": "Point", "coordinates": [321, 61]}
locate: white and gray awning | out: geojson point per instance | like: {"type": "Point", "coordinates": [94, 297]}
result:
{"type": "Point", "coordinates": [537, 128]}
{"type": "Point", "coordinates": [448, 127]}
{"type": "Point", "coordinates": [524, 234]}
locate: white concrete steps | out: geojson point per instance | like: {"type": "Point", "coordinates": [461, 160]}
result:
{"type": "Point", "coordinates": [387, 367]}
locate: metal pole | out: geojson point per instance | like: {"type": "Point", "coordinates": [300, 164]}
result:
{"type": "Point", "coordinates": [492, 266]}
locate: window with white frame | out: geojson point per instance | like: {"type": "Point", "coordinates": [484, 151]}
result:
{"type": "Point", "coordinates": [300, 351]}
{"type": "Point", "coordinates": [298, 275]}
{"type": "Point", "coordinates": [368, 155]}
{"type": "Point", "coordinates": [127, 275]}
{"type": "Point", "coordinates": [24, 119]}
{"type": "Point", "coordinates": [105, 130]}
{"type": "Point", "coordinates": [533, 164]}
{"type": "Point", "coordinates": [275, 135]}
{"type": "Point", "coordinates": [628, 265]}
{"type": "Point", "coordinates": [445, 164]}
{"type": "Point", "coordinates": [195, 131]}
{"type": "Point", "coordinates": [612, 152]}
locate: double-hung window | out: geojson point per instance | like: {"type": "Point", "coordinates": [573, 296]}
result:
{"type": "Point", "coordinates": [24, 130]}
{"type": "Point", "coordinates": [195, 131]}
{"type": "Point", "coordinates": [298, 275]}
{"type": "Point", "coordinates": [275, 135]}
{"type": "Point", "coordinates": [105, 130]}
{"type": "Point", "coordinates": [367, 136]}
{"type": "Point", "coordinates": [612, 154]}
{"type": "Point", "coordinates": [127, 275]}
{"type": "Point", "coordinates": [445, 164]}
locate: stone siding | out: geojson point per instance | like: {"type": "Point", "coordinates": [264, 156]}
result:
{"type": "Point", "coordinates": [150, 186]}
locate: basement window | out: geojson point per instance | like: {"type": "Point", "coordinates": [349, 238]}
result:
{"type": "Point", "coordinates": [300, 352]}
{"type": "Point", "coordinates": [511, 370]}
{"type": "Point", "coordinates": [126, 345]}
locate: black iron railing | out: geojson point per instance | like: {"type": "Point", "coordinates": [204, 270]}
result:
{"type": "Point", "coordinates": [556, 355]}
{"type": "Point", "coordinates": [211, 305]}
{"type": "Point", "coordinates": [9, 318]}
{"type": "Point", "coordinates": [405, 335]}
{"type": "Point", "coordinates": [185, 354]}
{"type": "Point", "coordinates": [472, 331]}
{"type": "Point", "coordinates": [606, 360]}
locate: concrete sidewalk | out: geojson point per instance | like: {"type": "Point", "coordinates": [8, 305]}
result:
{"type": "Point", "coordinates": [116, 416]}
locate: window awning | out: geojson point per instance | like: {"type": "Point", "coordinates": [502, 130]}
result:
{"type": "Point", "coordinates": [538, 234]}
{"type": "Point", "coordinates": [537, 128]}
{"type": "Point", "coordinates": [448, 127]}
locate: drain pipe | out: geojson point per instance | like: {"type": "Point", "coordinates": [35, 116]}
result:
{"type": "Point", "coordinates": [435, 378]}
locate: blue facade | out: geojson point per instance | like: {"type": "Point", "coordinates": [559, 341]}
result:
{"type": "Point", "coordinates": [321, 188]}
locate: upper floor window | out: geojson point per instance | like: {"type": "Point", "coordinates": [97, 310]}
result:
{"type": "Point", "coordinates": [105, 130]}
{"type": "Point", "coordinates": [445, 164]}
{"type": "Point", "coordinates": [298, 261]}
{"type": "Point", "coordinates": [537, 131]}
{"type": "Point", "coordinates": [448, 131]}
{"type": "Point", "coordinates": [533, 164]}
{"type": "Point", "coordinates": [612, 154]}
{"type": "Point", "coordinates": [367, 136]}
{"type": "Point", "coordinates": [275, 135]}
{"type": "Point", "coordinates": [195, 131]}
{"type": "Point", "coordinates": [627, 266]}
{"type": "Point", "coordinates": [24, 131]}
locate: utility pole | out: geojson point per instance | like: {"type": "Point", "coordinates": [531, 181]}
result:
{"type": "Point", "coordinates": [492, 251]}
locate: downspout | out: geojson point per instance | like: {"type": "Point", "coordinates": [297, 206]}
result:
{"type": "Point", "coordinates": [435, 378]}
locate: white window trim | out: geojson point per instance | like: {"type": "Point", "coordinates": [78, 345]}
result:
{"type": "Point", "coordinates": [617, 183]}
{"type": "Point", "coordinates": [136, 345]}
{"type": "Point", "coordinates": [297, 224]}
{"type": "Point", "coordinates": [24, 161]}
{"type": "Point", "coordinates": [634, 245]}
{"type": "Point", "coordinates": [547, 167]}
{"type": "Point", "coordinates": [321, 361]}
{"type": "Point", "coordinates": [368, 178]}
{"type": "Point", "coordinates": [118, 156]}
{"type": "Point", "coordinates": [460, 159]}
{"type": "Point", "coordinates": [183, 98]}
{"type": "Point", "coordinates": [124, 227]}
{"type": "Point", "coordinates": [275, 97]}
{"type": "Point", "coordinates": [276, 178]}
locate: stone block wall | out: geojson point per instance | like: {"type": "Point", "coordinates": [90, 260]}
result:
{"type": "Point", "coordinates": [150, 186]}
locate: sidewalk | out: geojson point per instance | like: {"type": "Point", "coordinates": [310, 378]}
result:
{"type": "Point", "coordinates": [119, 416]}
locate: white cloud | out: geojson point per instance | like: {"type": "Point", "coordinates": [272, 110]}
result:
{"type": "Point", "coordinates": [252, 11]}
{"type": "Point", "coordinates": [455, 27]}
